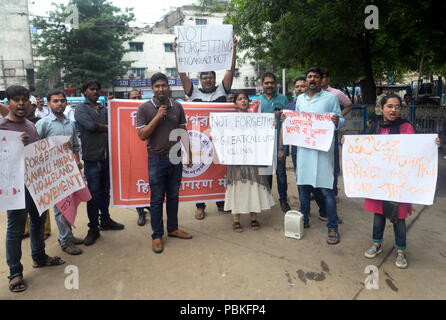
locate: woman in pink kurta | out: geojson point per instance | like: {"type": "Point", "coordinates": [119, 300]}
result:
{"type": "Point", "coordinates": [396, 212]}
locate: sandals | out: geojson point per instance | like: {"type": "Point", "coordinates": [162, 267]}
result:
{"type": "Point", "coordinates": [48, 262]}
{"type": "Point", "coordinates": [255, 225]}
{"type": "Point", "coordinates": [333, 237]}
{"type": "Point", "coordinates": [13, 286]}
{"type": "Point", "coordinates": [199, 214]}
{"type": "Point", "coordinates": [237, 227]}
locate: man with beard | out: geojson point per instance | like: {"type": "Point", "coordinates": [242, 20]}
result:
{"type": "Point", "coordinates": [209, 92]}
{"type": "Point", "coordinates": [18, 96]}
{"type": "Point", "coordinates": [91, 118]}
{"type": "Point", "coordinates": [273, 102]}
{"type": "Point", "coordinates": [56, 124]}
{"type": "Point", "coordinates": [315, 167]}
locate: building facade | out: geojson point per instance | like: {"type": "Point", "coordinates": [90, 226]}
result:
{"type": "Point", "coordinates": [151, 52]}
{"type": "Point", "coordinates": [16, 62]}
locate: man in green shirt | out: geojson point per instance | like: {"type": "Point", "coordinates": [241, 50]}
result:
{"type": "Point", "coordinates": [273, 102]}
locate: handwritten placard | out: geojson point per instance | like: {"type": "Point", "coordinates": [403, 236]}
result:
{"type": "Point", "coordinates": [393, 167]}
{"type": "Point", "coordinates": [204, 47]}
{"type": "Point", "coordinates": [51, 173]}
{"type": "Point", "coordinates": [308, 130]}
{"type": "Point", "coordinates": [12, 187]}
{"type": "Point", "coordinates": [243, 138]}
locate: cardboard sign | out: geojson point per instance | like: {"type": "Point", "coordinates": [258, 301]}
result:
{"type": "Point", "coordinates": [308, 130]}
{"type": "Point", "coordinates": [393, 167]}
{"type": "Point", "coordinates": [204, 182]}
{"type": "Point", "coordinates": [243, 138]}
{"type": "Point", "coordinates": [51, 172]}
{"type": "Point", "coordinates": [12, 186]}
{"type": "Point", "coordinates": [204, 47]}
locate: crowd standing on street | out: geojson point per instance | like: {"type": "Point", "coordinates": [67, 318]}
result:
{"type": "Point", "coordinates": [247, 192]}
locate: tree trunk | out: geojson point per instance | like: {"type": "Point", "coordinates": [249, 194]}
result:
{"type": "Point", "coordinates": [368, 88]}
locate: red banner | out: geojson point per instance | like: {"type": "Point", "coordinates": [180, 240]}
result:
{"type": "Point", "coordinates": [204, 182]}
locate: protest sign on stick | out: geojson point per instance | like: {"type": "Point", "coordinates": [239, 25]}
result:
{"type": "Point", "coordinates": [308, 130]}
{"type": "Point", "coordinates": [51, 172]}
{"type": "Point", "coordinates": [204, 47]}
{"type": "Point", "coordinates": [12, 187]}
{"type": "Point", "coordinates": [243, 138]}
{"type": "Point", "coordinates": [392, 167]}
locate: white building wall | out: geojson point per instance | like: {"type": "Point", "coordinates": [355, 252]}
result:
{"type": "Point", "coordinates": [15, 43]}
{"type": "Point", "coordinates": [156, 59]}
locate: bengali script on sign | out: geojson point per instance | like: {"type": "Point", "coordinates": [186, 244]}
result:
{"type": "Point", "coordinates": [393, 167]}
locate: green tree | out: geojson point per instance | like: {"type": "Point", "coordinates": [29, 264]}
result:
{"type": "Point", "coordinates": [94, 49]}
{"type": "Point", "coordinates": [331, 33]}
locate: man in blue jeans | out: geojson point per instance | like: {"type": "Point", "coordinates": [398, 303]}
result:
{"type": "Point", "coordinates": [91, 118]}
{"type": "Point", "coordinates": [18, 97]}
{"type": "Point", "coordinates": [315, 167]}
{"type": "Point", "coordinates": [157, 121]}
{"type": "Point", "coordinates": [273, 102]}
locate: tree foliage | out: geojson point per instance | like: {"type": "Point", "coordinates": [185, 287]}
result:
{"type": "Point", "coordinates": [94, 49]}
{"type": "Point", "coordinates": [332, 34]}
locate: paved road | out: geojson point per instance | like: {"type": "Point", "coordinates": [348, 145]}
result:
{"type": "Point", "coordinates": [221, 264]}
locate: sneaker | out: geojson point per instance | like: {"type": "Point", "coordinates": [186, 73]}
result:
{"type": "Point", "coordinates": [91, 237]}
{"type": "Point", "coordinates": [111, 225]}
{"type": "Point", "coordinates": [285, 206]}
{"type": "Point", "coordinates": [72, 249]}
{"type": "Point", "coordinates": [323, 218]}
{"type": "Point", "coordinates": [373, 251]}
{"type": "Point", "coordinates": [306, 225]}
{"type": "Point", "coordinates": [401, 261]}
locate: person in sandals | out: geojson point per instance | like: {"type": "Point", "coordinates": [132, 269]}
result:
{"type": "Point", "coordinates": [18, 97]}
{"type": "Point", "coordinates": [246, 190]}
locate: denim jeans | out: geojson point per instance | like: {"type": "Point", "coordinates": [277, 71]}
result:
{"type": "Point", "coordinates": [14, 233]}
{"type": "Point", "coordinates": [98, 180]}
{"type": "Point", "coordinates": [337, 166]}
{"type": "Point", "coordinates": [65, 232]}
{"type": "Point", "coordinates": [202, 205]}
{"type": "Point", "coordinates": [326, 201]}
{"type": "Point", "coordinates": [399, 228]}
{"type": "Point", "coordinates": [141, 211]}
{"type": "Point", "coordinates": [165, 181]}
{"type": "Point", "coordinates": [282, 185]}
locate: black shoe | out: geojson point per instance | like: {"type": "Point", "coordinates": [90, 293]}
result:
{"type": "Point", "coordinates": [285, 206]}
{"type": "Point", "coordinates": [141, 220]}
{"type": "Point", "coordinates": [111, 225]}
{"type": "Point", "coordinates": [91, 237]}
{"type": "Point", "coordinates": [306, 225]}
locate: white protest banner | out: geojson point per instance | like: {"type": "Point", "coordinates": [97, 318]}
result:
{"type": "Point", "coordinates": [204, 47]}
{"type": "Point", "coordinates": [243, 138]}
{"type": "Point", "coordinates": [51, 173]}
{"type": "Point", "coordinates": [308, 130]}
{"type": "Point", "coordinates": [12, 186]}
{"type": "Point", "coordinates": [393, 167]}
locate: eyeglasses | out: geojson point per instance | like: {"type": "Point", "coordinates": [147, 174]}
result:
{"type": "Point", "coordinates": [397, 107]}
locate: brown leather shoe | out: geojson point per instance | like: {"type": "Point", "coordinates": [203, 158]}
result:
{"type": "Point", "coordinates": [157, 245]}
{"type": "Point", "coordinates": [180, 234]}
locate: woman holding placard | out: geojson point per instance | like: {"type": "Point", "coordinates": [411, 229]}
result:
{"type": "Point", "coordinates": [246, 190]}
{"type": "Point", "coordinates": [396, 212]}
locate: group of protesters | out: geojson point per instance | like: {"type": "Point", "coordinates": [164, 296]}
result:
{"type": "Point", "coordinates": [247, 191]}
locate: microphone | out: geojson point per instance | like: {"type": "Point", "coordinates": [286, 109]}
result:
{"type": "Point", "coordinates": [163, 101]}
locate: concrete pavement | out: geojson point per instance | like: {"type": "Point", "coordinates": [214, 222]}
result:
{"type": "Point", "coordinates": [221, 264]}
